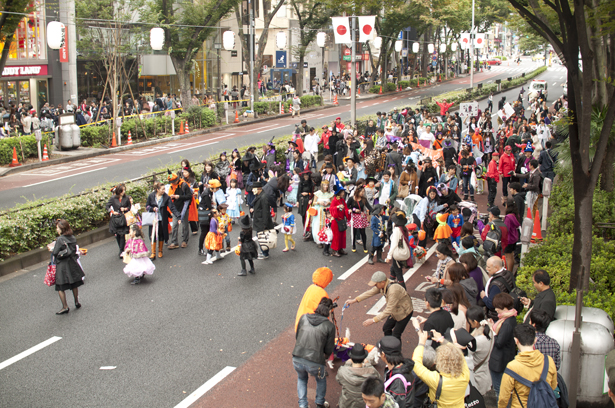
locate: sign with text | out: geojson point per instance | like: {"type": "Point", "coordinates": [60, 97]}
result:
{"type": "Point", "coordinates": [64, 49]}
{"type": "Point", "coordinates": [24, 70]}
{"type": "Point", "coordinates": [280, 59]}
{"type": "Point", "coordinates": [468, 109]}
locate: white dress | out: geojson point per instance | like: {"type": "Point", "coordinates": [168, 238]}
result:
{"type": "Point", "coordinates": [234, 201]}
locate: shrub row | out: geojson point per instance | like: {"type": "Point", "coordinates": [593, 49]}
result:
{"type": "Point", "coordinates": [27, 143]}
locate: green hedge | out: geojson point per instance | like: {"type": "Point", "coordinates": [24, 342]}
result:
{"type": "Point", "coordinates": [28, 143]}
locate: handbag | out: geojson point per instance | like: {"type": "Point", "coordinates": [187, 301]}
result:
{"type": "Point", "coordinates": [267, 239]}
{"type": "Point", "coordinates": [50, 276]}
{"type": "Point", "coordinates": [148, 218]}
{"type": "Point", "coordinates": [65, 252]}
{"type": "Point", "coordinates": [130, 218]}
{"type": "Point", "coordinates": [118, 221]}
{"type": "Point", "coordinates": [342, 225]}
{"type": "Point", "coordinates": [126, 258]}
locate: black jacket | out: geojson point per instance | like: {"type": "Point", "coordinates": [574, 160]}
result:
{"type": "Point", "coordinates": [315, 338]}
{"type": "Point", "coordinates": [114, 202]}
{"type": "Point", "coordinates": [185, 196]}
{"type": "Point", "coordinates": [545, 301]}
{"type": "Point", "coordinates": [166, 205]}
{"type": "Point", "coordinates": [403, 396]}
{"type": "Point", "coordinates": [272, 192]}
{"type": "Point", "coordinates": [449, 154]}
{"type": "Point", "coordinates": [450, 199]}
{"type": "Point", "coordinates": [426, 175]}
{"type": "Point", "coordinates": [396, 159]}
{"type": "Point", "coordinates": [261, 216]}
{"type": "Point", "coordinates": [504, 347]}
{"type": "Point", "coordinates": [67, 270]}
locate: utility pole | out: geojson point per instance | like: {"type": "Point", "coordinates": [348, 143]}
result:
{"type": "Point", "coordinates": [472, 35]}
{"type": "Point", "coordinates": [250, 6]}
{"type": "Point", "coordinates": [353, 75]}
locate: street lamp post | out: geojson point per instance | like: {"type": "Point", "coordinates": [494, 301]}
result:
{"type": "Point", "coordinates": [472, 35]}
{"type": "Point", "coordinates": [353, 75]}
{"type": "Point", "coordinates": [250, 5]}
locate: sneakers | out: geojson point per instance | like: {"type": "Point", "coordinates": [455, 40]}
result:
{"type": "Point", "coordinates": [134, 282]}
{"type": "Point", "coordinates": [173, 246]}
{"type": "Point", "coordinates": [184, 244]}
{"type": "Point", "coordinates": [242, 273]}
{"type": "Point", "coordinates": [325, 405]}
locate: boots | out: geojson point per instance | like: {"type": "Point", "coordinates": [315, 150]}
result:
{"type": "Point", "coordinates": [228, 247]}
{"type": "Point", "coordinates": [465, 197]}
{"type": "Point", "coordinates": [379, 256]}
{"type": "Point", "coordinates": [208, 260]}
{"type": "Point", "coordinates": [160, 244]}
{"type": "Point", "coordinates": [153, 254]}
{"type": "Point", "coordinates": [242, 273]}
{"type": "Point", "coordinates": [325, 251]}
{"type": "Point", "coordinates": [472, 199]}
{"type": "Point", "coordinates": [370, 258]}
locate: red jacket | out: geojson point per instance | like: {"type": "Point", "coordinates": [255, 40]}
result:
{"type": "Point", "coordinates": [507, 164]}
{"type": "Point", "coordinates": [493, 172]}
{"type": "Point", "coordinates": [504, 239]}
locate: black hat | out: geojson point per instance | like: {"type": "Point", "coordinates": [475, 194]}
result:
{"type": "Point", "coordinates": [390, 345]}
{"type": "Point", "coordinates": [295, 143]}
{"type": "Point", "coordinates": [254, 167]}
{"type": "Point", "coordinates": [257, 184]}
{"type": "Point", "coordinates": [247, 157]}
{"type": "Point", "coordinates": [328, 165]}
{"type": "Point", "coordinates": [357, 352]}
{"type": "Point", "coordinates": [367, 180]}
{"type": "Point", "coordinates": [377, 209]}
{"type": "Point", "coordinates": [244, 222]}
{"type": "Point", "coordinates": [399, 219]}
{"type": "Point", "coordinates": [495, 211]}
{"type": "Point", "coordinates": [461, 337]}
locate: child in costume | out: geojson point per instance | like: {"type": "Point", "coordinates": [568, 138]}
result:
{"type": "Point", "coordinates": [234, 199]}
{"type": "Point", "coordinates": [443, 231]}
{"type": "Point", "coordinates": [140, 264]}
{"type": "Point", "coordinates": [214, 239]}
{"type": "Point", "coordinates": [455, 221]}
{"type": "Point", "coordinates": [224, 222]}
{"type": "Point", "coordinates": [294, 184]}
{"type": "Point", "coordinates": [289, 227]}
{"type": "Point", "coordinates": [247, 246]}
{"type": "Point", "coordinates": [378, 238]}
{"type": "Point", "coordinates": [325, 235]}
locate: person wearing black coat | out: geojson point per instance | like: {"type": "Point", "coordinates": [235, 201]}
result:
{"type": "Point", "coordinates": [273, 193]}
{"type": "Point", "coordinates": [395, 157]}
{"type": "Point", "coordinates": [504, 347]}
{"type": "Point", "coordinates": [181, 195]}
{"type": "Point", "coordinates": [428, 177]}
{"type": "Point", "coordinates": [447, 197]}
{"type": "Point", "coordinates": [159, 202]}
{"type": "Point", "coordinates": [261, 215]}
{"type": "Point", "coordinates": [118, 205]}
{"type": "Point", "coordinates": [69, 275]}
{"type": "Point", "coordinates": [204, 210]}
{"type": "Point", "coordinates": [403, 366]}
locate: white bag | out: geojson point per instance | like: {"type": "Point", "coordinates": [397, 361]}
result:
{"type": "Point", "coordinates": [267, 239]}
{"type": "Point", "coordinates": [148, 218]}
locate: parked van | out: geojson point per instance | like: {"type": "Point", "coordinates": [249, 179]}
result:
{"type": "Point", "coordinates": [536, 86]}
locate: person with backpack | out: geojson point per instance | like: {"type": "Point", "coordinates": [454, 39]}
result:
{"type": "Point", "coordinates": [398, 309]}
{"type": "Point", "coordinates": [398, 375]}
{"type": "Point", "coordinates": [352, 375]}
{"type": "Point", "coordinates": [500, 281]}
{"type": "Point", "coordinates": [503, 345]}
{"type": "Point", "coordinates": [531, 378]}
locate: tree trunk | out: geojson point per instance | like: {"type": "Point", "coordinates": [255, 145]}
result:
{"type": "Point", "coordinates": [425, 56]}
{"type": "Point", "coordinates": [384, 59]}
{"type": "Point", "coordinates": [582, 246]}
{"type": "Point", "coordinates": [183, 76]}
{"type": "Point", "coordinates": [299, 89]}
{"type": "Point", "coordinates": [607, 179]}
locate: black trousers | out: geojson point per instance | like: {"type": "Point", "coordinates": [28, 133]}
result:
{"type": "Point", "coordinates": [395, 328]}
{"type": "Point", "coordinates": [121, 241]}
{"type": "Point", "coordinates": [505, 181]}
{"type": "Point", "coordinates": [357, 232]}
{"type": "Point", "coordinates": [204, 232]}
{"type": "Point", "coordinates": [492, 185]}
{"type": "Point", "coordinates": [397, 272]}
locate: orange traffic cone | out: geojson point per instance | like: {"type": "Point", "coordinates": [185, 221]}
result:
{"type": "Point", "coordinates": [359, 91]}
{"type": "Point", "coordinates": [15, 162]}
{"type": "Point", "coordinates": [418, 83]}
{"type": "Point", "coordinates": [45, 156]}
{"type": "Point", "coordinates": [113, 141]}
{"type": "Point", "coordinates": [290, 109]}
{"type": "Point", "coordinates": [335, 102]}
{"type": "Point", "coordinates": [129, 142]}
{"type": "Point", "coordinates": [536, 233]}
{"type": "Point", "coordinates": [380, 92]}
{"type": "Point", "coordinates": [282, 109]}
{"type": "Point", "coordinates": [186, 128]}
{"type": "Point", "coordinates": [181, 127]}
{"type": "Point", "coordinates": [236, 117]}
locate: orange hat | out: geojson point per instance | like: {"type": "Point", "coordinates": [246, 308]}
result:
{"type": "Point", "coordinates": [411, 227]}
{"type": "Point", "coordinates": [173, 177]}
{"type": "Point", "coordinates": [322, 276]}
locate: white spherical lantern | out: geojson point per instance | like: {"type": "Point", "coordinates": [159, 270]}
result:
{"type": "Point", "coordinates": [430, 48]}
{"type": "Point", "coordinates": [454, 46]}
{"type": "Point", "coordinates": [228, 40]}
{"type": "Point", "coordinates": [280, 39]}
{"type": "Point", "coordinates": [378, 42]}
{"type": "Point", "coordinates": [398, 45]}
{"type": "Point", "coordinates": [442, 48]}
{"type": "Point", "coordinates": [56, 34]}
{"type": "Point", "coordinates": [156, 38]}
{"type": "Point", "coordinates": [321, 39]}
{"type": "Point", "coordinates": [415, 47]}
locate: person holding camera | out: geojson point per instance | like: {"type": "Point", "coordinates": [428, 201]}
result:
{"type": "Point", "coordinates": [398, 310]}
{"type": "Point", "coordinates": [315, 342]}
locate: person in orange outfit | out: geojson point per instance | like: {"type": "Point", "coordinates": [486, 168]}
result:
{"type": "Point", "coordinates": [321, 278]}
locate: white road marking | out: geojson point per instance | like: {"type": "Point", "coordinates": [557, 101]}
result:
{"type": "Point", "coordinates": [356, 266]}
{"type": "Point", "coordinates": [60, 178]}
{"type": "Point", "coordinates": [29, 351]}
{"type": "Point", "coordinates": [258, 128]}
{"type": "Point", "coordinates": [193, 147]}
{"type": "Point", "coordinates": [561, 77]}
{"type": "Point", "coordinates": [72, 167]}
{"type": "Point", "coordinates": [380, 304]}
{"type": "Point", "coordinates": [198, 393]}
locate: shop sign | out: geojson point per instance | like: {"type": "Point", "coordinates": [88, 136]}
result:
{"type": "Point", "coordinates": [64, 49]}
{"type": "Point", "coordinates": [24, 70]}
{"type": "Point", "coordinates": [233, 53]}
{"type": "Point", "coordinates": [280, 59]}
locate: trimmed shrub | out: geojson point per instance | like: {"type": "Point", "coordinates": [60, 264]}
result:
{"type": "Point", "coordinates": [29, 147]}
{"type": "Point", "coordinates": [391, 87]}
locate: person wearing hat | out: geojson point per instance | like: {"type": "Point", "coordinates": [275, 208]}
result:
{"type": "Point", "coordinates": [506, 167]}
{"type": "Point", "coordinates": [261, 213]}
{"type": "Point", "coordinates": [217, 195]}
{"type": "Point", "coordinates": [181, 196]}
{"type": "Point", "coordinates": [338, 124]}
{"type": "Point", "coordinates": [397, 366]}
{"type": "Point", "coordinates": [400, 247]}
{"type": "Point", "coordinates": [315, 343]}
{"type": "Point", "coordinates": [533, 186]}
{"type": "Point", "coordinates": [247, 246]}
{"type": "Point", "coordinates": [247, 161]}
{"type": "Point", "coordinates": [330, 176]}
{"type": "Point", "coordinates": [493, 178]}
{"type": "Point", "coordinates": [398, 309]}
{"type": "Point", "coordinates": [254, 177]}
{"type": "Point", "coordinates": [339, 224]}
{"type": "Point", "coordinates": [321, 278]}
{"type": "Point", "coordinates": [429, 177]}
{"type": "Point", "coordinates": [352, 375]}
{"type": "Point", "coordinates": [292, 146]}
{"type": "Point", "coordinates": [350, 174]}
{"type": "Point", "coordinates": [522, 168]}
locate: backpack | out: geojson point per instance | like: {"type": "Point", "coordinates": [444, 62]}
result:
{"type": "Point", "coordinates": [408, 386]}
{"type": "Point", "coordinates": [493, 240]}
{"type": "Point", "coordinates": [516, 293]}
{"type": "Point", "coordinates": [561, 392]}
{"type": "Point", "coordinates": [541, 393]}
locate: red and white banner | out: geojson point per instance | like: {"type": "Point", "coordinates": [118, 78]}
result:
{"type": "Point", "coordinates": [341, 29]}
{"type": "Point", "coordinates": [479, 40]}
{"type": "Point", "coordinates": [64, 49]}
{"type": "Point", "coordinates": [367, 25]}
{"type": "Point", "coordinates": [464, 40]}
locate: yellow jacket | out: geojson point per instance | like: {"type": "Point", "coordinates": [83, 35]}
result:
{"type": "Point", "coordinates": [529, 365]}
{"type": "Point", "coordinates": [453, 389]}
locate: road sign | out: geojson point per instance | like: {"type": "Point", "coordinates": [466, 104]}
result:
{"type": "Point", "coordinates": [347, 51]}
{"type": "Point", "coordinates": [434, 63]}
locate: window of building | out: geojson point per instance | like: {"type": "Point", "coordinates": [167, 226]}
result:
{"type": "Point", "coordinates": [29, 40]}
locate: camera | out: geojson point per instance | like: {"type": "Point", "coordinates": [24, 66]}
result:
{"type": "Point", "coordinates": [334, 305]}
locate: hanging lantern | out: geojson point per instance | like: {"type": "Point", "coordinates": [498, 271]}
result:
{"type": "Point", "coordinates": [442, 48]}
{"type": "Point", "coordinates": [378, 42]}
{"type": "Point", "coordinates": [454, 46]}
{"type": "Point", "coordinates": [415, 47]}
{"type": "Point", "coordinates": [56, 33]}
{"type": "Point", "coordinates": [430, 48]}
{"type": "Point", "coordinates": [398, 45]}
{"type": "Point", "coordinates": [280, 39]}
{"type": "Point", "coordinates": [228, 40]}
{"type": "Point", "coordinates": [321, 39]}
{"type": "Point", "coordinates": [156, 38]}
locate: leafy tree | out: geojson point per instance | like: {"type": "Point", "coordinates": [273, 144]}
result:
{"type": "Point", "coordinates": [9, 23]}
{"type": "Point", "coordinates": [582, 28]}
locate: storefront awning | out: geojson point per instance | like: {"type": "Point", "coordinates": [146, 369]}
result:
{"type": "Point", "coordinates": [157, 65]}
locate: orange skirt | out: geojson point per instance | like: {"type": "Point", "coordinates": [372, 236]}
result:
{"type": "Point", "coordinates": [214, 241]}
{"type": "Point", "coordinates": [442, 232]}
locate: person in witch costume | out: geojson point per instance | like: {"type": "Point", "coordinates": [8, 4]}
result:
{"type": "Point", "coordinates": [247, 246]}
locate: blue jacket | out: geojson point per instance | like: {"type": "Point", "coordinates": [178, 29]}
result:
{"type": "Point", "coordinates": [289, 221]}
{"type": "Point", "coordinates": [377, 226]}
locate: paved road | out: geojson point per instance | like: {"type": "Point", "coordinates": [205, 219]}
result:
{"type": "Point", "coordinates": [76, 176]}
{"type": "Point", "coordinates": [168, 336]}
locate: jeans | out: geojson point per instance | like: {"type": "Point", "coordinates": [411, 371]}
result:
{"type": "Point", "coordinates": [492, 185]}
{"type": "Point", "coordinates": [392, 327]}
{"type": "Point", "coordinates": [496, 380]}
{"type": "Point", "coordinates": [185, 228]}
{"type": "Point", "coordinates": [317, 371]}
{"type": "Point", "coordinates": [467, 185]}
{"type": "Point", "coordinates": [505, 181]}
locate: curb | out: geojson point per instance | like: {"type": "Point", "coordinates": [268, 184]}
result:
{"type": "Point", "coordinates": [35, 256]}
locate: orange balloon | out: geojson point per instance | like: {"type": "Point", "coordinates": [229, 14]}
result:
{"type": "Point", "coordinates": [422, 235]}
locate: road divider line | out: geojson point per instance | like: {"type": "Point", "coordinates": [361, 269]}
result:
{"type": "Point", "coordinates": [356, 266]}
{"type": "Point", "coordinates": [199, 392]}
{"type": "Point", "coordinates": [60, 178]}
{"type": "Point", "coordinates": [193, 147]}
{"type": "Point", "coordinates": [380, 303]}
{"type": "Point", "coordinates": [28, 352]}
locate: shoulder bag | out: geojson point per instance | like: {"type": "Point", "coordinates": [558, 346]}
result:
{"type": "Point", "coordinates": [148, 218]}
{"type": "Point", "coordinates": [434, 404]}
{"type": "Point", "coordinates": [65, 251]}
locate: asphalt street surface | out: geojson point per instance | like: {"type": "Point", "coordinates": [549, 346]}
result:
{"type": "Point", "coordinates": [180, 329]}
{"type": "Point", "coordinates": [74, 177]}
